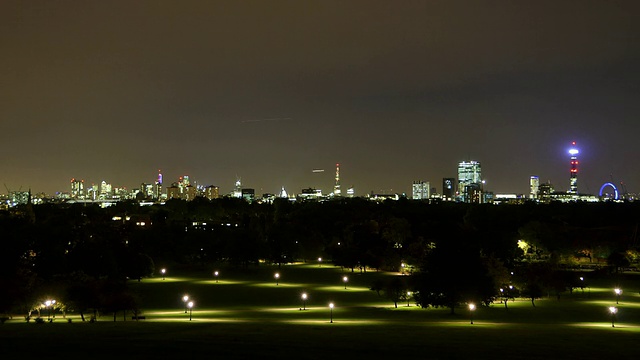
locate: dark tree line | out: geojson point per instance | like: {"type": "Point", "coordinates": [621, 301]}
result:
{"type": "Point", "coordinates": [461, 252]}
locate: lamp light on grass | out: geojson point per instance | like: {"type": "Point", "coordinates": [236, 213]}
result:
{"type": "Point", "coordinates": [472, 308]}
{"type": "Point", "coordinates": [277, 276]}
{"type": "Point", "coordinates": [304, 301]}
{"type": "Point", "coordinates": [163, 271]}
{"type": "Point", "coordinates": [190, 305]}
{"type": "Point", "coordinates": [613, 310]}
{"type": "Point", "coordinates": [409, 293]}
{"type": "Point", "coordinates": [331, 312]}
{"type": "Point", "coordinates": [185, 299]}
{"type": "Point", "coordinates": [215, 273]}
{"type": "Point", "coordinates": [618, 292]}
{"type": "Point", "coordinates": [345, 279]}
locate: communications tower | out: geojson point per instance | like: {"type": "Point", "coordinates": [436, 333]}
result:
{"type": "Point", "coordinates": [573, 178]}
{"type": "Point", "coordinates": [158, 193]}
{"type": "Point", "coordinates": [336, 187]}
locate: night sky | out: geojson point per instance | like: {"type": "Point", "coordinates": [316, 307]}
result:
{"type": "Point", "coordinates": [395, 91]}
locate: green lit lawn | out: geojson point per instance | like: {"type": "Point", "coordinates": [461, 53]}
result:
{"type": "Point", "coordinates": [246, 315]}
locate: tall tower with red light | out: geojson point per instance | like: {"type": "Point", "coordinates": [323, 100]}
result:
{"type": "Point", "coordinates": [336, 187]}
{"type": "Point", "coordinates": [573, 179]}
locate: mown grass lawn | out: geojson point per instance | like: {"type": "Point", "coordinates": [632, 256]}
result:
{"type": "Point", "coordinates": [246, 315]}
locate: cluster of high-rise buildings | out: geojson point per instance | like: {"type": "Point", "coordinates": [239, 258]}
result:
{"type": "Point", "coordinates": [469, 187]}
{"type": "Point", "coordinates": [181, 189]}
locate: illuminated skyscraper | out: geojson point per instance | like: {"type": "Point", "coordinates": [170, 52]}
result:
{"type": "Point", "coordinates": [212, 192]}
{"type": "Point", "coordinates": [158, 192]}
{"type": "Point", "coordinates": [105, 190]}
{"type": "Point", "coordinates": [336, 186]}
{"type": "Point", "coordinates": [534, 183]}
{"type": "Point", "coordinates": [573, 174]}
{"type": "Point", "coordinates": [77, 189]}
{"type": "Point", "coordinates": [448, 188]}
{"type": "Point", "coordinates": [351, 192]}
{"type": "Point", "coordinates": [469, 180]}
{"type": "Point", "coordinates": [421, 190]}
{"type": "Point", "coordinates": [237, 192]}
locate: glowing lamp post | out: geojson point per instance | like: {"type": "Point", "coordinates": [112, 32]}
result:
{"type": "Point", "coordinates": [49, 304]}
{"type": "Point", "coordinates": [613, 310]}
{"type": "Point", "coordinates": [618, 292]}
{"type": "Point", "coordinates": [319, 262]}
{"type": "Point", "coordinates": [163, 271]}
{"type": "Point", "coordinates": [190, 305]}
{"type": "Point", "coordinates": [277, 276]}
{"type": "Point", "coordinates": [216, 275]}
{"type": "Point", "coordinates": [472, 308]}
{"type": "Point", "coordinates": [304, 301]}
{"type": "Point", "coordinates": [331, 312]}
{"type": "Point", "coordinates": [409, 298]}
{"type": "Point", "coordinates": [185, 299]}
{"type": "Point", "coordinates": [345, 279]}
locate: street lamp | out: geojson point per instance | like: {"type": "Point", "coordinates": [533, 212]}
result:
{"type": "Point", "coordinates": [190, 305]}
{"type": "Point", "coordinates": [331, 311]}
{"type": "Point", "coordinates": [163, 271]}
{"type": "Point", "coordinates": [49, 304]}
{"type": "Point", "coordinates": [472, 307]}
{"type": "Point", "coordinates": [216, 275]}
{"type": "Point", "coordinates": [618, 292]}
{"type": "Point", "coordinates": [185, 299]}
{"type": "Point", "coordinates": [277, 276]}
{"type": "Point", "coordinates": [319, 262]}
{"type": "Point", "coordinates": [304, 301]}
{"type": "Point", "coordinates": [409, 298]}
{"type": "Point", "coordinates": [345, 279]}
{"type": "Point", "coordinates": [613, 310]}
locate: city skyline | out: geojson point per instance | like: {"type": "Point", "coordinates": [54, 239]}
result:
{"type": "Point", "coordinates": [468, 173]}
{"type": "Point", "coordinates": [270, 91]}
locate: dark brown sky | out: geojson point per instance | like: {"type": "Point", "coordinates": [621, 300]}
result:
{"type": "Point", "coordinates": [395, 91]}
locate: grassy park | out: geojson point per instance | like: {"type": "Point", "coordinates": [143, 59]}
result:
{"type": "Point", "coordinates": [248, 314]}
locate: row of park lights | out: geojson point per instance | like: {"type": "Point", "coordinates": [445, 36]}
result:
{"type": "Point", "coordinates": [163, 271]}
{"type": "Point", "coordinates": [345, 279]}
{"type": "Point", "coordinates": [472, 307]}
{"type": "Point", "coordinates": [216, 274]}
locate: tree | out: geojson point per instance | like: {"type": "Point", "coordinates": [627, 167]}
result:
{"type": "Point", "coordinates": [533, 277]}
{"type": "Point", "coordinates": [454, 274]}
{"type": "Point", "coordinates": [377, 286]}
{"type": "Point", "coordinates": [532, 290]}
{"type": "Point", "coordinates": [618, 260]}
{"type": "Point", "coordinates": [138, 266]}
{"type": "Point", "coordinates": [395, 290]}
